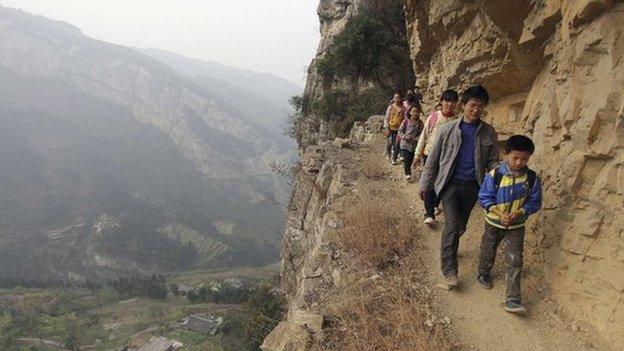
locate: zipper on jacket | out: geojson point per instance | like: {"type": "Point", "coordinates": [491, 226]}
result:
{"type": "Point", "coordinates": [511, 192]}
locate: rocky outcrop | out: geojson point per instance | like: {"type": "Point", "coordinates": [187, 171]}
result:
{"type": "Point", "coordinates": [334, 16]}
{"type": "Point", "coordinates": [313, 265]}
{"type": "Point", "coordinates": [555, 72]}
{"type": "Point", "coordinates": [307, 257]}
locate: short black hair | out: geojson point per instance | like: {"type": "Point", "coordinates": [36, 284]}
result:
{"type": "Point", "coordinates": [477, 92]}
{"type": "Point", "coordinates": [411, 97]}
{"type": "Point", "coordinates": [520, 143]}
{"type": "Point", "coordinates": [449, 95]}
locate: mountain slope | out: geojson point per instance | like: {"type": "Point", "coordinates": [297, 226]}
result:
{"type": "Point", "coordinates": [276, 89]}
{"type": "Point", "coordinates": [106, 153]}
{"type": "Point", "coordinates": [244, 103]}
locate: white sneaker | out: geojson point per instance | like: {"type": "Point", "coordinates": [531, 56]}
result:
{"type": "Point", "coordinates": [437, 211]}
{"type": "Point", "coordinates": [429, 221]}
{"type": "Point", "coordinates": [408, 177]}
{"type": "Point", "coordinates": [394, 162]}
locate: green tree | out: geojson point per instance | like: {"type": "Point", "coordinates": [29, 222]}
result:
{"type": "Point", "coordinates": [373, 46]}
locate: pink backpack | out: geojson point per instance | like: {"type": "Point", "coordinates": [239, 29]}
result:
{"type": "Point", "coordinates": [433, 119]}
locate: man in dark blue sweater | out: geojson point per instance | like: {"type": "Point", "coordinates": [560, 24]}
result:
{"type": "Point", "coordinates": [463, 151]}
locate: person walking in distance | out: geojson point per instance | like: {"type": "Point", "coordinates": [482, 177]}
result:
{"type": "Point", "coordinates": [409, 132]}
{"type": "Point", "coordinates": [446, 113]}
{"type": "Point", "coordinates": [395, 114]}
{"type": "Point", "coordinates": [464, 150]}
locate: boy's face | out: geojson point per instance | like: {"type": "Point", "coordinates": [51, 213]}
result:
{"type": "Point", "coordinates": [473, 110]}
{"type": "Point", "coordinates": [448, 106]}
{"type": "Point", "coordinates": [517, 160]}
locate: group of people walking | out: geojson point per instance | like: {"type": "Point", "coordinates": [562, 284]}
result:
{"type": "Point", "coordinates": [461, 164]}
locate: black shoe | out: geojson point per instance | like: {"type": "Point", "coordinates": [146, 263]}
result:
{"type": "Point", "coordinates": [515, 307]}
{"type": "Point", "coordinates": [485, 280]}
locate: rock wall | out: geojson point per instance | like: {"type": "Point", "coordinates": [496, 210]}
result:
{"type": "Point", "coordinates": [555, 72]}
{"type": "Point", "coordinates": [334, 15]}
{"type": "Point", "coordinates": [311, 262]}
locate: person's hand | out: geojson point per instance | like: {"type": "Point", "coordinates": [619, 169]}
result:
{"type": "Point", "coordinates": [516, 214]}
{"type": "Point", "coordinates": [421, 195]}
{"type": "Point", "coordinates": [506, 219]}
{"type": "Point", "coordinates": [416, 162]}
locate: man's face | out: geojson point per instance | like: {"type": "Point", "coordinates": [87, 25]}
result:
{"type": "Point", "coordinates": [473, 110]}
{"type": "Point", "coordinates": [448, 106]}
{"type": "Point", "coordinates": [517, 160]}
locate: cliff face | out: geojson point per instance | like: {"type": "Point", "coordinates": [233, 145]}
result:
{"type": "Point", "coordinates": [336, 17]}
{"type": "Point", "coordinates": [308, 261]}
{"type": "Point", "coordinates": [333, 16]}
{"type": "Point", "coordinates": [555, 71]}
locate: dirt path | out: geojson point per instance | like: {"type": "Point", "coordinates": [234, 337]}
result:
{"type": "Point", "coordinates": [477, 315]}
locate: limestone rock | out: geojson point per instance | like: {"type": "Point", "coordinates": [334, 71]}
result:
{"type": "Point", "coordinates": [342, 143]}
{"type": "Point", "coordinates": [287, 336]}
{"type": "Point", "coordinates": [555, 72]}
{"type": "Point", "coordinates": [334, 15]}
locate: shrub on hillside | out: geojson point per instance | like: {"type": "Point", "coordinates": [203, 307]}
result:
{"type": "Point", "coordinates": [152, 287]}
{"type": "Point", "coordinates": [379, 233]}
{"type": "Point", "coordinates": [386, 314]}
{"type": "Point", "coordinates": [337, 107]}
{"type": "Point", "coordinates": [372, 44]}
{"type": "Point", "coordinates": [265, 309]}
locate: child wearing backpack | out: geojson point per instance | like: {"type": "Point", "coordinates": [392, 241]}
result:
{"type": "Point", "coordinates": [392, 121]}
{"type": "Point", "coordinates": [409, 132]}
{"type": "Point", "coordinates": [446, 112]}
{"type": "Point", "coordinates": [509, 195]}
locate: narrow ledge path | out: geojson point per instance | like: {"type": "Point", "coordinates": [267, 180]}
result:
{"type": "Point", "coordinates": [477, 315]}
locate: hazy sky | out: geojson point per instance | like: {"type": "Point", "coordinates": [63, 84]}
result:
{"type": "Point", "coordinates": [275, 36]}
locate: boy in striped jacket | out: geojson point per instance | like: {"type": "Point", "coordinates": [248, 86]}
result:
{"type": "Point", "coordinates": [509, 195]}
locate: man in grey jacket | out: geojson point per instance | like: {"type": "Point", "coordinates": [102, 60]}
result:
{"type": "Point", "coordinates": [464, 150]}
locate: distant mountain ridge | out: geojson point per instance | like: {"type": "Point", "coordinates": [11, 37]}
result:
{"type": "Point", "coordinates": [113, 163]}
{"type": "Point", "coordinates": [276, 89]}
